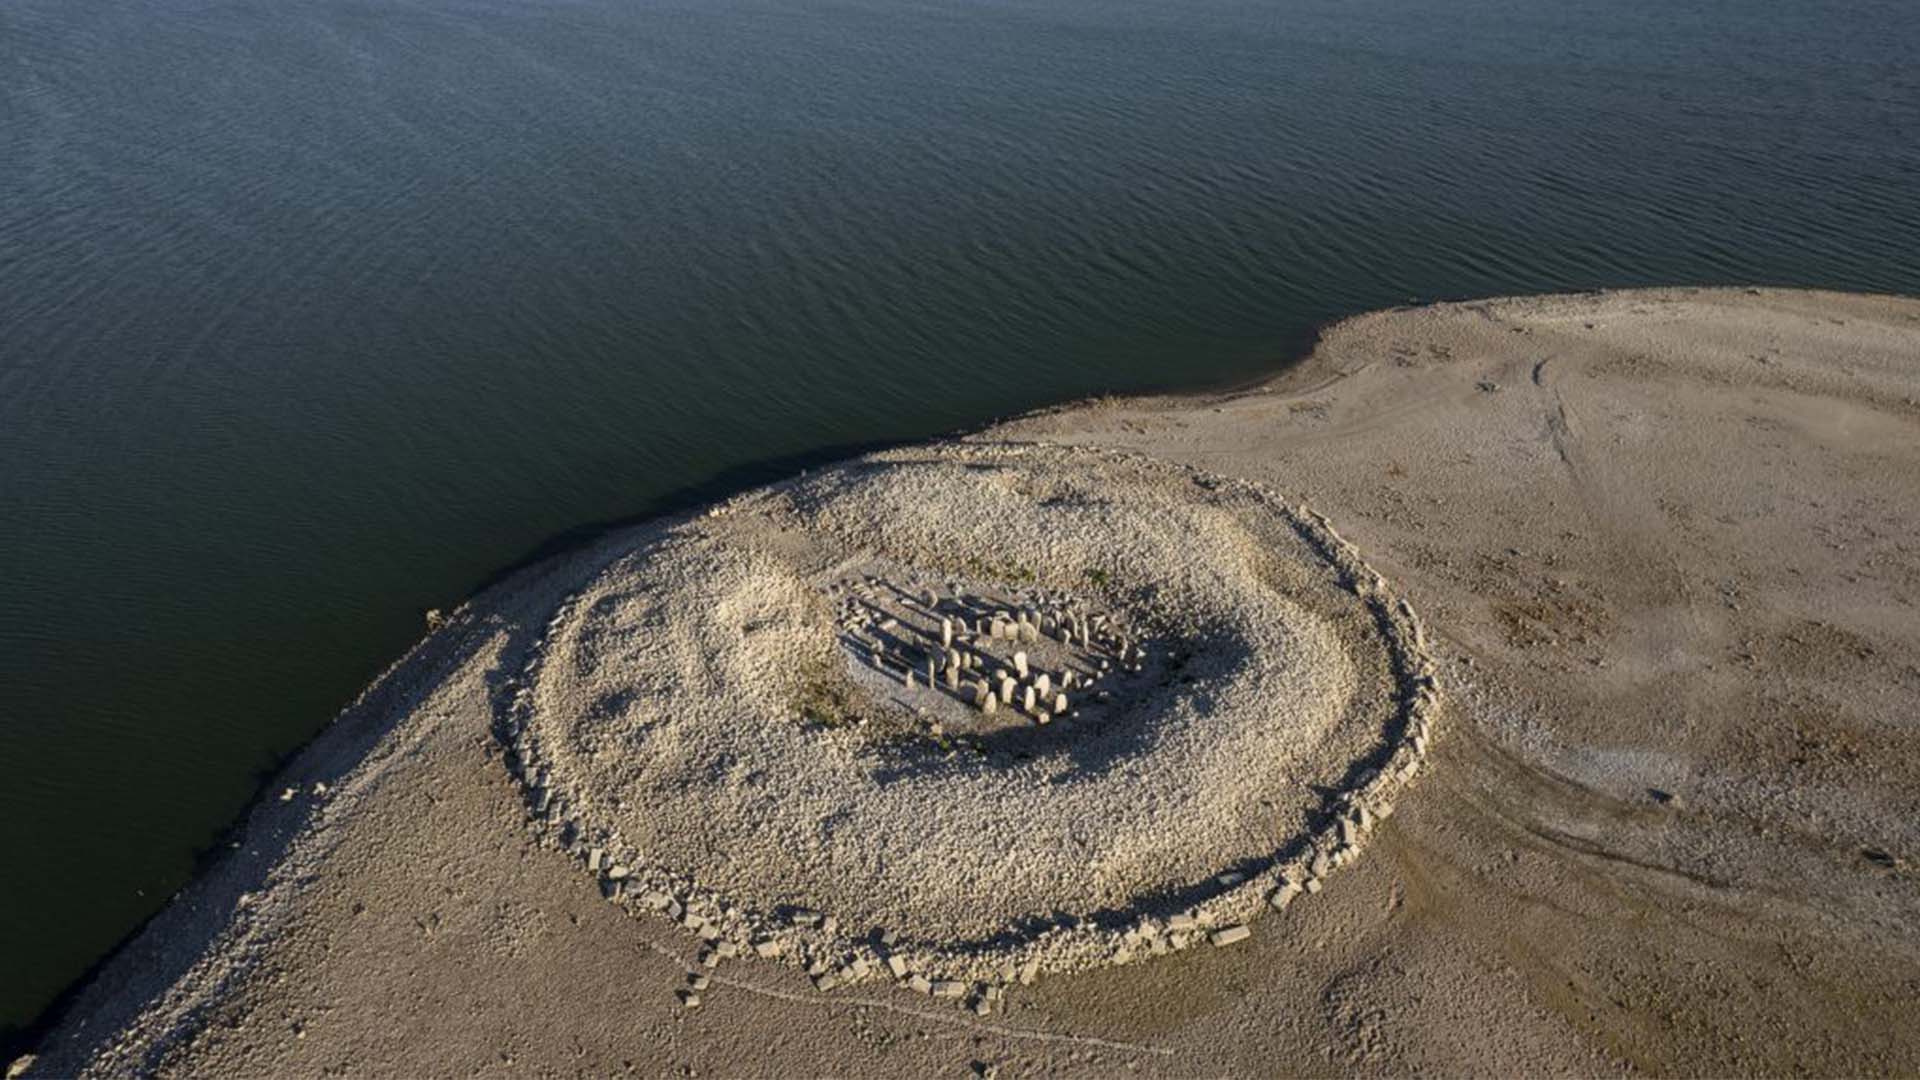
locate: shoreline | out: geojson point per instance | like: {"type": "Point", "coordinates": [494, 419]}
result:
{"type": "Point", "coordinates": [281, 841]}
{"type": "Point", "coordinates": [21, 1040]}
{"type": "Point", "coordinates": [213, 860]}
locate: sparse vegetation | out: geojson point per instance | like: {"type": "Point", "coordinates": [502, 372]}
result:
{"type": "Point", "coordinates": [824, 700]}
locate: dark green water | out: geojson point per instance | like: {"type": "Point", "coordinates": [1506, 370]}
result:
{"type": "Point", "coordinates": [314, 313]}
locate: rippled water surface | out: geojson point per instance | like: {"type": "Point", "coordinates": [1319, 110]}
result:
{"type": "Point", "coordinates": [313, 313]}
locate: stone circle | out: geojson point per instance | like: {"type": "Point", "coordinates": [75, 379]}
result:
{"type": "Point", "coordinates": [962, 714]}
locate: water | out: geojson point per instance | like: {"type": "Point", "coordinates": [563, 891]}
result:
{"type": "Point", "coordinates": [315, 313]}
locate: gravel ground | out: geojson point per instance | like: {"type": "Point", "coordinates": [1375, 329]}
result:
{"type": "Point", "coordinates": [710, 740]}
{"type": "Point", "coordinates": [1662, 546]}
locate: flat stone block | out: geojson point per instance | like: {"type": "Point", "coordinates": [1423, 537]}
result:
{"type": "Point", "coordinates": [1230, 934]}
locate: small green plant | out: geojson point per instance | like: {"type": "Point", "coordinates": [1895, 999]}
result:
{"type": "Point", "coordinates": [822, 699]}
{"type": "Point", "coordinates": [1098, 577]}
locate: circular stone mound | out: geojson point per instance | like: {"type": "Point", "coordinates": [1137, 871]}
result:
{"type": "Point", "coordinates": [974, 711]}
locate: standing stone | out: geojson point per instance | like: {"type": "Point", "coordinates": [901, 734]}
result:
{"type": "Point", "coordinates": [1027, 700]}
{"type": "Point", "coordinates": [946, 632]}
{"type": "Point", "coordinates": [1044, 684]}
{"type": "Point", "coordinates": [909, 678]}
{"type": "Point", "coordinates": [1020, 664]}
{"type": "Point", "coordinates": [953, 677]}
{"type": "Point", "coordinates": [1059, 704]}
{"type": "Point", "coordinates": [1006, 688]}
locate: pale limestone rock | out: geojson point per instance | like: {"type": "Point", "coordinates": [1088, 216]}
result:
{"type": "Point", "coordinates": [1230, 934]}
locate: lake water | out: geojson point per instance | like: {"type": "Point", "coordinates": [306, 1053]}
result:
{"type": "Point", "coordinates": [315, 313]}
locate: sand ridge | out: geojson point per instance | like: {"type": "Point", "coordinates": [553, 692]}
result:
{"type": "Point", "coordinates": [1271, 697]}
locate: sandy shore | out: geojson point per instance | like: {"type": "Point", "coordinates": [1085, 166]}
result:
{"type": "Point", "coordinates": [1663, 547]}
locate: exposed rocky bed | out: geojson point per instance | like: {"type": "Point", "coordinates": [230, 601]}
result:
{"type": "Point", "coordinates": [964, 714]}
{"type": "Point", "coordinates": [1662, 542]}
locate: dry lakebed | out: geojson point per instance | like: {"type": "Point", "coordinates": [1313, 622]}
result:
{"type": "Point", "coordinates": [1525, 685]}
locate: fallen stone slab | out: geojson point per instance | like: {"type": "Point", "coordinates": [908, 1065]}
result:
{"type": "Point", "coordinates": [1230, 934]}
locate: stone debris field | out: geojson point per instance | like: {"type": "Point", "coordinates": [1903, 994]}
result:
{"type": "Point", "coordinates": [959, 716]}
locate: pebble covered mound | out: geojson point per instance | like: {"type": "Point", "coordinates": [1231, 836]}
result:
{"type": "Point", "coordinates": [972, 712]}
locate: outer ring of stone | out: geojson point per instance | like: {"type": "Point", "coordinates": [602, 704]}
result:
{"type": "Point", "coordinates": [844, 953]}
